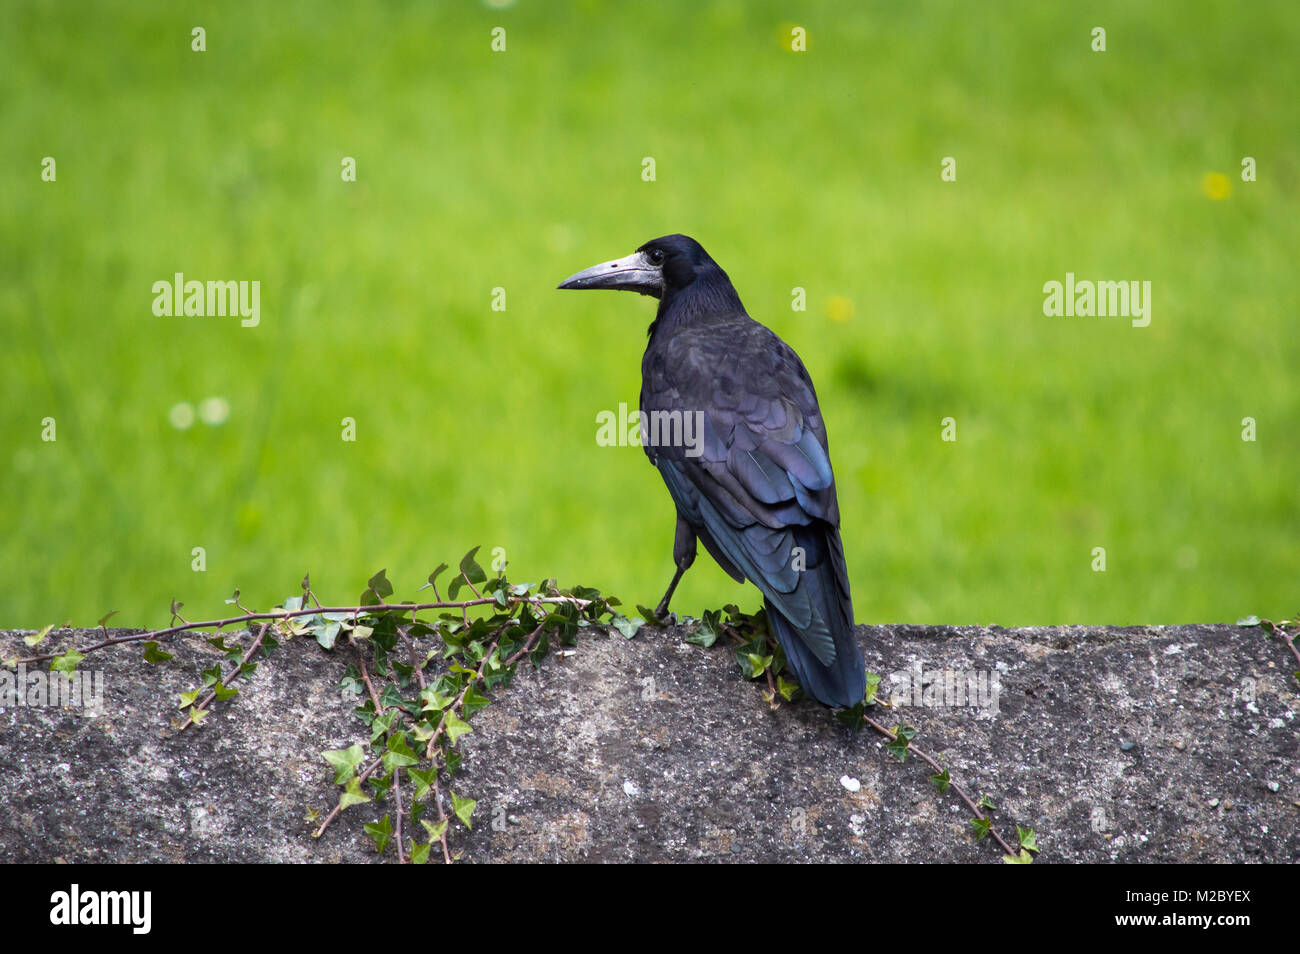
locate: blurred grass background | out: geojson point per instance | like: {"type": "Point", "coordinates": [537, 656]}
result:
{"type": "Point", "coordinates": [817, 169]}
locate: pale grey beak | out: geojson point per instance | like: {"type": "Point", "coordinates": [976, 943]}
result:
{"type": "Point", "coordinates": [635, 273]}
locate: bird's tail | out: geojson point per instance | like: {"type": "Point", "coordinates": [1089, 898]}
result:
{"type": "Point", "coordinates": [844, 681]}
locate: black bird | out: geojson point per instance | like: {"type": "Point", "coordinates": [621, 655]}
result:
{"type": "Point", "coordinates": [746, 457]}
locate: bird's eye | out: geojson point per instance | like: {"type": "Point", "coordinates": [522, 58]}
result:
{"type": "Point", "coordinates": [656, 256]}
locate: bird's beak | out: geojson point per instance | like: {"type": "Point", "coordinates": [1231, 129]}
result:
{"type": "Point", "coordinates": [635, 273]}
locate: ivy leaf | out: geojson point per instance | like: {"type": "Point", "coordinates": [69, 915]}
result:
{"type": "Point", "coordinates": [982, 827]}
{"type": "Point", "coordinates": [463, 807]}
{"type": "Point", "coordinates": [433, 577]}
{"type": "Point", "coordinates": [435, 829]}
{"type": "Point", "coordinates": [423, 780]}
{"type": "Point", "coordinates": [1024, 858]}
{"type": "Point", "coordinates": [434, 700]}
{"type": "Point", "coordinates": [788, 689]}
{"type": "Point", "coordinates": [873, 683]}
{"type": "Point", "coordinates": [399, 754]}
{"type": "Point", "coordinates": [709, 629]}
{"type": "Point", "coordinates": [473, 572]}
{"type": "Point", "coordinates": [224, 692]}
{"type": "Point", "coordinates": [470, 572]}
{"type": "Point", "coordinates": [454, 726]}
{"type": "Point", "coordinates": [351, 681]}
{"type": "Point", "coordinates": [35, 639]}
{"type": "Point", "coordinates": [197, 715]}
{"type": "Point", "coordinates": [852, 716]}
{"type": "Point", "coordinates": [105, 618]}
{"type": "Point", "coordinates": [327, 632]}
{"type": "Point", "coordinates": [627, 627]}
{"type": "Point", "coordinates": [381, 831]}
{"type": "Point", "coordinates": [987, 802]}
{"type": "Point", "coordinates": [377, 589]}
{"type": "Point", "coordinates": [1028, 838]}
{"type": "Point", "coordinates": [538, 653]}
{"type": "Point", "coordinates": [67, 662]}
{"type": "Point", "coordinates": [753, 665]}
{"type": "Point", "coordinates": [152, 654]}
{"type": "Point", "coordinates": [903, 738]}
{"type": "Point", "coordinates": [187, 698]}
{"type": "Point", "coordinates": [473, 702]}
{"type": "Point", "coordinates": [419, 854]}
{"type": "Point", "coordinates": [352, 794]}
{"type": "Point", "coordinates": [345, 761]}
{"type": "Point", "coordinates": [941, 781]}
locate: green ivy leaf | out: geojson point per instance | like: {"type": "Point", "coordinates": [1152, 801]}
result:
{"type": "Point", "coordinates": [942, 781]}
{"type": "Point", "coordinates": [1024, 858]}
{"type": "Point", "coordinates": [1028, 838]}
{"type": "Point", "coordinates": [469, 571]}
{"type": "Point", "coordinates": [435, 829]}
{"type": "Point", "coordinates": [434, 700]}
{"type": "Point", "coordinates": [326, 632]}
{"type": "Point", "coordinates": [454, 726]}
{"type": "Point", "coordinates": [345, 761]}
{"type": "Point", "coordinates": [650, 617]}
{"type": "Point", "coordinates": [352, 794]}
{"type": "Point", "coordinates": [982, 827]}
{"type": "Point", "coordinates": [381, 831]}
{"type": "Point", "coordinates": [423, 780]}
{"type": "Point", "coordinates": [873, 683]}
{"type": "Point", "coordinates": [419, 854]}
{"type": "Point", "coordinates": [463, 807]}
{"type": "Point", "coordinates": [903, 738]}
{"type": "Point", "coordinates": [708, 630]}
{"type": "Point", "coordinates": [377, 589]}
{"type": "Point", "coordinates": [35, 639]}
{"type": "Point", "coordinates": [433, 577]}
{"type": "Point", "coordinates": [473, 702]}
{"type": "Point", "coordinates": [224, 692]}
{"type": "Point", "coordinates": [627, 627]}
{"type": "Point", "coordinates": [399, 754]}
{"type": "Point", "coordinates": [154, 655]}
{"type": "Point", "coordinates": [852, 716]}
{"type": "Point", "coordinates": [66, 662]}
{"type": "Point", "coordinates": [187, 698]}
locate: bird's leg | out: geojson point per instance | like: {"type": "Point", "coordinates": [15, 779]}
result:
{"type": "Point", "coordinates": [683, 556]}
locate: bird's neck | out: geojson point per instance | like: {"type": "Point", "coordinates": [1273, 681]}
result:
{"type": "Point", "coordinates": [702, 301]}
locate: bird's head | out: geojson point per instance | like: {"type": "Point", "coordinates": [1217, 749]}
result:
{"type": "Point", "coordinates": [661, 267]}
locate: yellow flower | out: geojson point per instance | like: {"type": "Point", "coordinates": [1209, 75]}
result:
{"type": "Point", "coordinates": [839, 308]}
{"type": "Point", "coordinates": [1216, 185]}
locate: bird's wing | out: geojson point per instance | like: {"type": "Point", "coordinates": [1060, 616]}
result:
{"type": "Point", "coordinates": [761, 484]}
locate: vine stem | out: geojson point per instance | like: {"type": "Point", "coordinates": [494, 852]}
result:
{"type": "Point", "coordinates": [239, 670]}
{"type": "Point", "coordinates": [934, 764]}
{"type": "Point", "coordinates": [319, 610]}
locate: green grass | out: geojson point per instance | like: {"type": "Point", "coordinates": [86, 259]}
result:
{"type": "Point", "coordinates": [479, 169]}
